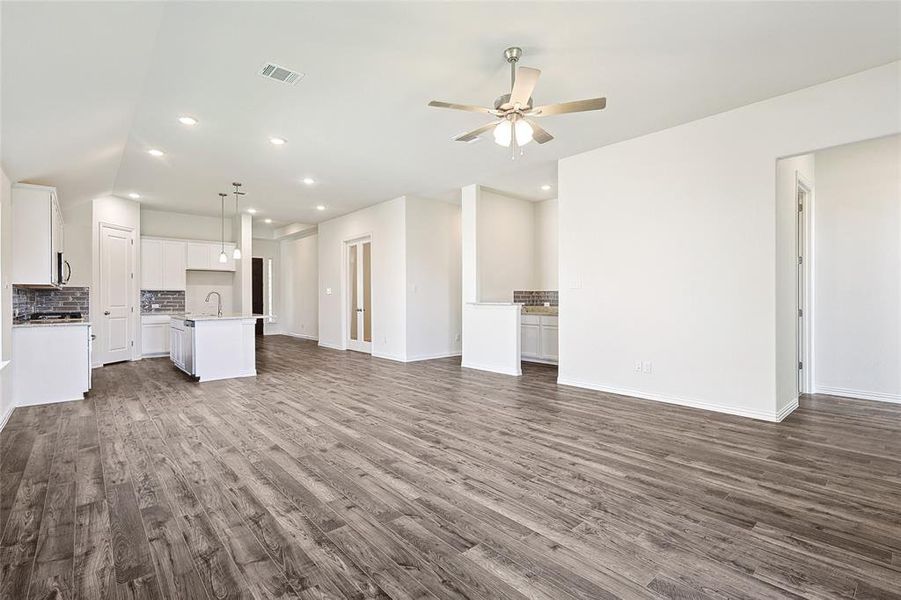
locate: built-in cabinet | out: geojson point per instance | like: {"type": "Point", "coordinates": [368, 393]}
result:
{"type": "Point", "coordinates": [204, 256]}
{"type": "Point", "coordinates": [155, 336]}
{"type": "Point", "coordinates": [539, 338]}
{"type": "Point", "coordinates": [163, 264]}
{"type": "Point", "coordinates": [37, 237]}
{"type": "Point", "coordinates": [179, 344]}
{"type": "Point", "coordinates": [52, 363]}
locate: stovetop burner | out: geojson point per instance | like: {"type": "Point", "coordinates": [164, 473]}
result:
{"type": "Point", "coordinates": [55, 316]}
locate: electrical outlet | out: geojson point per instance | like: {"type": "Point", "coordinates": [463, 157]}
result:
{"type": "Point", "coordinates": [328, 291]}
{"type": "Point", "coordinates": [154, 305]}
{"type": "Point", "coordinates": [638, 366]}
{"type": "Point", "coordinates": [457, 338]}
{"type": "Point", "coordinates": [646, 366]}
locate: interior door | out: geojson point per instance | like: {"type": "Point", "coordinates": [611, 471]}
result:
{"type": "Point", "coordinates": [116, 251]}
{"type": "Point", "coordinates": [359, 295]}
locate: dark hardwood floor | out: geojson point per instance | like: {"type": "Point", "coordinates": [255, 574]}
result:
{"type": "Point", "coordinates": [335, 475]}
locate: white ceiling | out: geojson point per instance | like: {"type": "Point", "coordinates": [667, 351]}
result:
{"type": "Point", "coordinates": [87, 88]}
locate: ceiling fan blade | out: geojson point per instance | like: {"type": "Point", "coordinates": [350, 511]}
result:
{"type": "Point", "coordinates": [568, 107]}
{"type": "Point", "coordinates": [471, 135]}
{"type": "Point", "coordinates": [466, 107]}
{"type": "Point", "coordinates": [526, 78]}
{"type": "Point", "coordinates": [539, 133]}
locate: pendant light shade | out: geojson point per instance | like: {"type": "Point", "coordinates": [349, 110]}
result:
{"type": "Point", "coordinates": [237, 253]}
{"type": "Point", "coordinates": [223, 257]}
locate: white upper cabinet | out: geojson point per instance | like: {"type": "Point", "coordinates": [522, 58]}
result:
{"type": "Point", "coordinates": [37, 236]}
{"type": "Point", "coordinates": [204, 256]}
{"type": "Point", "coordinates": [162, 264]}
{"type": "Point", "coordinates": [174, 264]}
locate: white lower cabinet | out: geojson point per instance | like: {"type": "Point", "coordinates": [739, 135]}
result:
{"type": "Point", "coordinates": [538, 338]}
{"type": "Point", "coordinates": [155, 335]}
{"type": "Point", "coordinates": [53, 363]}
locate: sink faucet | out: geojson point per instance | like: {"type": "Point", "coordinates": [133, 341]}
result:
{"type": "Point", "coordinates": [219, 298]}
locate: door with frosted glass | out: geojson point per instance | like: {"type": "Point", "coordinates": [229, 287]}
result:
{"type": "Point", "coordinates": [359, 295]}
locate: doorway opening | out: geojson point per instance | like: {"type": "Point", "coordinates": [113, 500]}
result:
{"type": "Point", "coordinates": [257, 293]}
{"type": "Point", "coordinates": [359, 294]}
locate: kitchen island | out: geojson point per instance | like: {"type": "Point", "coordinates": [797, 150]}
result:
{"type": "Point", "coordinates": [212, 347]}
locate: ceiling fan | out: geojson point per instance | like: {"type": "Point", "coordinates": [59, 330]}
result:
{"type": "Point", "coordinates": [516, 127]}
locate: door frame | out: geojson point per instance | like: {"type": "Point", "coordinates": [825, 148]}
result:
{"type": "Point", "coordinates": [133, 321]}
{"type": "Point", "coordinates": [346, 342]}
{"type": "Point", "coordinates": [804, 300]}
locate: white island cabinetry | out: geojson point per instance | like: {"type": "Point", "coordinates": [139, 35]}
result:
{"type": "Point", "coordinates": [212, 347]}
{"type": "Point", "coordinates": [539, 338]}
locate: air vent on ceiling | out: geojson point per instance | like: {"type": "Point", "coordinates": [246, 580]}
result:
{"type": "Point", "coordinates": [280, 74]}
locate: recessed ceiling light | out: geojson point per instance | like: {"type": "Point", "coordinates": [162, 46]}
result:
{"type": "Point", "coordinates": [268, 221]}
{"type": "Point", "coordinates": [252, 211]}
{"type": "Point", "coordinates": [320, 207]}
{"type": "Point", "coordinates": [308, 180]}
{"type": "Point", "coordinates": [134, 196]}
{"type": "Point", "coordinates": [545, 187]}
{"type": "Point", "coordinates": [155, 152]}
{"type": "Point", "coordinates": [187, 120]}
{"type": "Point", "coordinates": [278, 141]}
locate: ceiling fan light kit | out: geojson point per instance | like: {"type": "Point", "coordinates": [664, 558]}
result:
{"type": "Point", "coordinates": [516, 111]}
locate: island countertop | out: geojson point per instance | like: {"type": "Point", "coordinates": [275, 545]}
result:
{"type": "Point", "coordinates": [224, 317]}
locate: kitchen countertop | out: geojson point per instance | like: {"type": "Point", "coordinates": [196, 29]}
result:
{"type": "Point", "coordinates": [224, 317]}
{"type": "Point", "coordinates": [60, 323]}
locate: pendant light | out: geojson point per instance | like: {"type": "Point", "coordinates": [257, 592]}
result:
{"type": "Point", "coordinates": [237, 253]}
{"type": "Point", "coordinates": [223, 258]}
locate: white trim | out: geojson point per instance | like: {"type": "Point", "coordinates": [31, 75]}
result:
{"type": "Point", "coordinates": [514, 372]}
{"type": "Point", "coordinates": [331, 346]}
{"type": "Point", "coordinates": [301, 336]}
{"type": "Point", "coordinates": [786, 410]}
{"type": "Point", "coordinates": [394, 357]}
{"type": "Point", "coordinates": [858, 394]}
{"type": "Point", "coordinates": [773, 417]}
{"type": "Point", "coordinates": [433, 356]}
{"type": "Point", "coordinates": [541, 361]}
{"type": "Point", "coordinates": [806, 356]}
{"type": "Point", "coordinates": [43, 402]}
{"type": "Point", "coordinates": [4, 419]}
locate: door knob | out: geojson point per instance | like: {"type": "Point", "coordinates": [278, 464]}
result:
{"type": "Point", "coordinates": [106, 312]}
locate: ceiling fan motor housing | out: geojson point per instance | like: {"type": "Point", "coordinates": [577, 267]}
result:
{"type": "Point", "coordinates": [501, 100]}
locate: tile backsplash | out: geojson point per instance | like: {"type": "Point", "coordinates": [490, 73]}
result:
{"type": "Point", "coordinates": [69, 299]}
{"type": "Point", "coordinates": [536, 297]}
{"type": "Point", "coordinates": [169, 301]}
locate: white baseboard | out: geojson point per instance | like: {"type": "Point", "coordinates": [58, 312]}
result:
{"type": "Point", "coordinates": [5, 418]}
{"type": "Point", "coordinates": [773, 417]}
{"type": "Point", "coordinates": [332, 346]}
{"type": "Point", "coordinates": [301, 336]}
{"type": "Point", "coordinates": [858, 394]}
{"type": "Point", "coordinates": [491, 369]}
{"type": "Point", "coordinates": [394, 357]}
{"type": "Point", "coordinates": [433, 356]}
{"type": "Point", "coordinates": [541, 361]}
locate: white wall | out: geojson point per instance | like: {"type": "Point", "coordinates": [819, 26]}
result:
{"type": "Point", "coordinates": [433, 263]}
{"type": "Point", "coordinates": [506, 246]}
{"type": "Point", "coordinates": [788, 170]}
{"type": "Point", "coordinates": [161, 223]}
{"type": "Point", "coordinates": [546, 244]}
{"type": "Point", "coordinates": [299, 315]}
{"type": "Point", "coordinates": [857, 270]}
{"type": "Point", "coordinates": [667, 246]}
{"type": "Point", "coordinates": [270, 250]}
{"type": "Point", "coordinates": [385, 222]}
{"type": "Point", "coordinates": [125, 213]}
{"type": "Point", "coordinates": [243, 280]}
{"type": "Point", "coordinates": [198, 284]}
{"type": "Point", "coordinates": [6, 311]}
